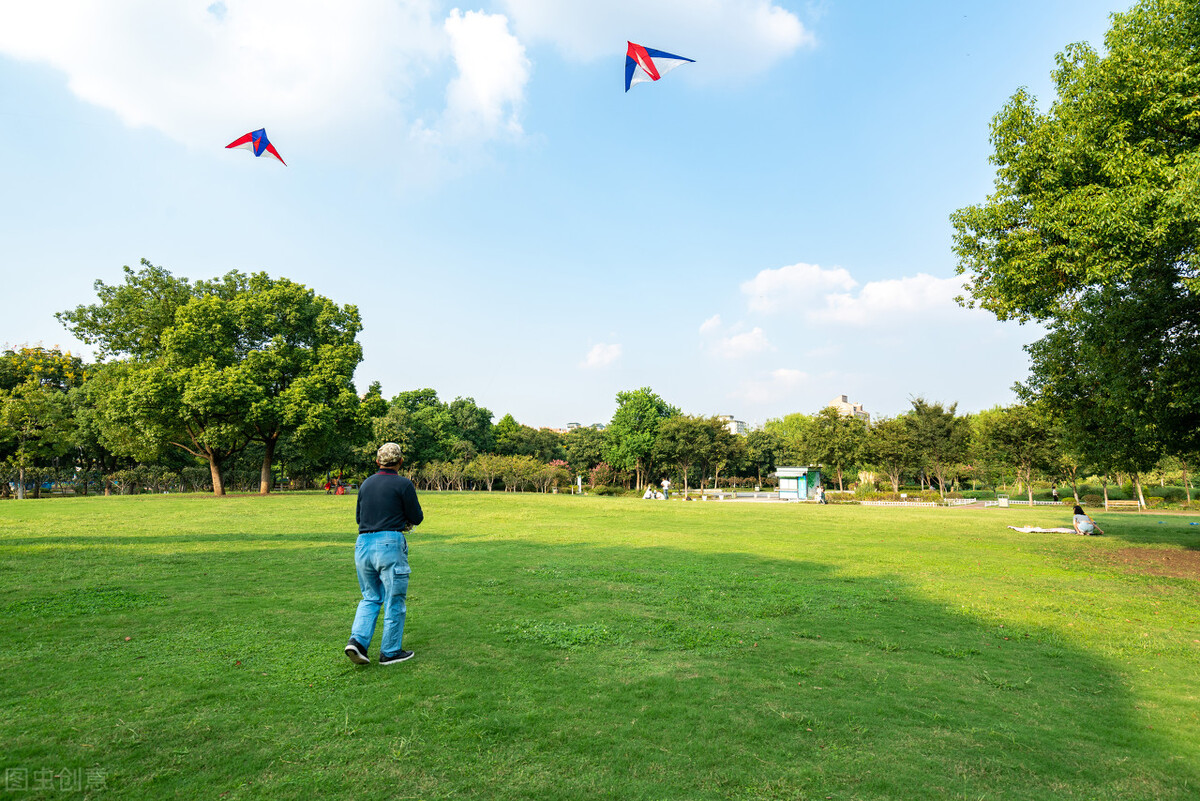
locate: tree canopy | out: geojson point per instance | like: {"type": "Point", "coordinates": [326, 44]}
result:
{"type": "Point", "coordinates": [629, 438]}
{"type": "Point", "coordinates": [212, 365]}
{"type": "Point", "coordinates": [1094, 230]}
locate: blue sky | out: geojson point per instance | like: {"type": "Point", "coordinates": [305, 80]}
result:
{"type": "Point", "coordinates": [754, 234]}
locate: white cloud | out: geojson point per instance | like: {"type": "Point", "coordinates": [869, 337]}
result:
{"type": "Point", "coordinates": [798, 286]}
{"type": "Point", "coordinates": [882, 301]}
{"type": "Point", "coordinates": [832, 295]}
{"type": "Point", "coordinates": [204, 72]}
{"type": "Point", "coordinates": [726, 37]}
{"type": "Point", "coordinates": [738, 344]}
{"type": "Point", "coordinates": [775, 386]}
{"type": "Point", "coordinates": [486, 96]}
{"type": "Point", "coordinates": [745, 344]}
{"type": "Point", "coordinates": [601, 355]}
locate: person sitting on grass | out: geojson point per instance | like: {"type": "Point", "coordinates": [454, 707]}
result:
{"type": "Point", "coordinates": [1085, 525]}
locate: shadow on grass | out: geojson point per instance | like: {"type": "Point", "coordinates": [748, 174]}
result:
{"type": "Point", "coordinates": [1150, 528]}
{"type": "Point", "coordinates": [564, 671]}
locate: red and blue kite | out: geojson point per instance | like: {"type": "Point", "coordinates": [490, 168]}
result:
{"type": "Point", "coordinates": [645, 64]}
{"type": "Point", "coordinates": [258, 142]}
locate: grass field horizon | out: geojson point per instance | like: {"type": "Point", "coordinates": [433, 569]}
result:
{"type": "Point", "coordinates": [574, 647]}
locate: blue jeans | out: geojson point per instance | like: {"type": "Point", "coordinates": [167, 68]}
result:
{"type": "Point", "coordinates": [381, 558]}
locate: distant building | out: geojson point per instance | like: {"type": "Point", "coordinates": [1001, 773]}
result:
{"type": "Point", "coordinates": [735, 426]}
{"type": "Point", "coordinates": [598, 426]}
{"type": "Point", "coordinates": [847, 409]}
{"type": "Point", "coordinates": [573, 426]}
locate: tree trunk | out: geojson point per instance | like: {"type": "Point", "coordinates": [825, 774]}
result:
{"type": "Point", "coordinates": [214, 467]}
{"type": "Point", "coordinates": [1137, 483]}
{"type": "Point", "coordinates": [1104, 483]}
{"type": "Point", "coordinates": [20, 483]}
{"type": "Point", "coordinates": [265, 479]}
{"type": "Point", "coordinates": [1186, 486]}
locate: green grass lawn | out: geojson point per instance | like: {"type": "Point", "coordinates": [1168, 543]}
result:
{"type": "Point", "coordinates": [582, 648]}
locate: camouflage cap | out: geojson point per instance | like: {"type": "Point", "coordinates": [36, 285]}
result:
{"type": "Point", "coordinates": [389, 454]}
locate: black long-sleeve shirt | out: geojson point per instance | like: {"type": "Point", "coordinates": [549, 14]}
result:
{"type": "Point", "coordinates": [387, 501]}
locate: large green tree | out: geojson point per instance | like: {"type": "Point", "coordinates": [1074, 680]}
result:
{"type": "Point", "coordinates": [1102, 414]}
{"type": "Point", "coordinates": [890, 448]}
{"type": "Point", "coordinates": [726, 451]}
{"type": "Point", "coordinates": [300, 350]}
{"type": "Point", "coordinates": [793, 434]}
{"type": "Point", "coordinates": [940, 436]}
{"type": "Point", "coordinates": [838, 441]}
{"type": "Point", "coordinates": [472, 423]}
{"type": "Point", "coordinates": [37, 425]}
{"type": "Point", "coordinates": [216, 364]}
{"type": "Point", "coordinates": [684, 442]}
{"type": "Point", "coordinates": [430, 433]}
{"type": "Point", "coordinates": [1017, 436]}
{"type": "Point", "coordinates": [585, 448]}
{"type": "Point", "coordinates": [96, 459]}
{"type": "Point", "coordinates": [762, 450]}
{"type": "Point", "coordinates": [1094, 230]}
{"type": "Point", "coordinates": [630, 436]}
{"type": "Point", "coordinates": [512, 438]}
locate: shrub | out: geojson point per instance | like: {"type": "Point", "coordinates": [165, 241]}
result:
{"type": "Point", "coordinates": [1092, 500]}
{"type": "Point", "coordinates": [914, 495]}
{"type": "Point", "coordinates": [1168, 494]}
{"type": "Point", "coordinates": [603, 474]}
{"type": "Point", "coordinates": [604, 489]}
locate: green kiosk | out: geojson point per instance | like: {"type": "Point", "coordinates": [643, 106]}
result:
{"type": "Point", "coordinates": [798, 483]}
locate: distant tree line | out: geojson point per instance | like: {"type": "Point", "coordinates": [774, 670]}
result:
{"type": "Point", "coordinates": [244, 381]}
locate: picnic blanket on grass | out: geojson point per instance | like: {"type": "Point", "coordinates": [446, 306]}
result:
{"type": "Point", "coordinates": [1036, 530]}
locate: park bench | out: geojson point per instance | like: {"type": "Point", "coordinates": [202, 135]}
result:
{"type": "Point", "coordinates": [1116, 506]}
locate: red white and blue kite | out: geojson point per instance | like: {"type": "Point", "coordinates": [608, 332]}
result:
{"type": "Point", "coordinates": [258, 142]}
{"type": "Point", "coordinates": [645, 64]}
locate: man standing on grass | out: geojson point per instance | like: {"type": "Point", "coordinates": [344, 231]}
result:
{"type": "Point", "coordinates": [387, 507]}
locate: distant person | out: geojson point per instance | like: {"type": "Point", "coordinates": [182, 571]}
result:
{"type": "Point", "coordinates": [387, 507]}
{"type": "Point", "coordinates": [648, 495]}
{"type": "Point", "coordinates": [1084, 524]}
{"type": "Point", "coordinates": [1054, 492]}
{"type": "Point", "coordinates": [666, 488]}
{"type": "Point", "coordinates": [821, 494]}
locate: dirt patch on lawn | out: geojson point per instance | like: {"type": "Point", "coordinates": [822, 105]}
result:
{"type": "Point", "coordinates": [1154, 561]}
